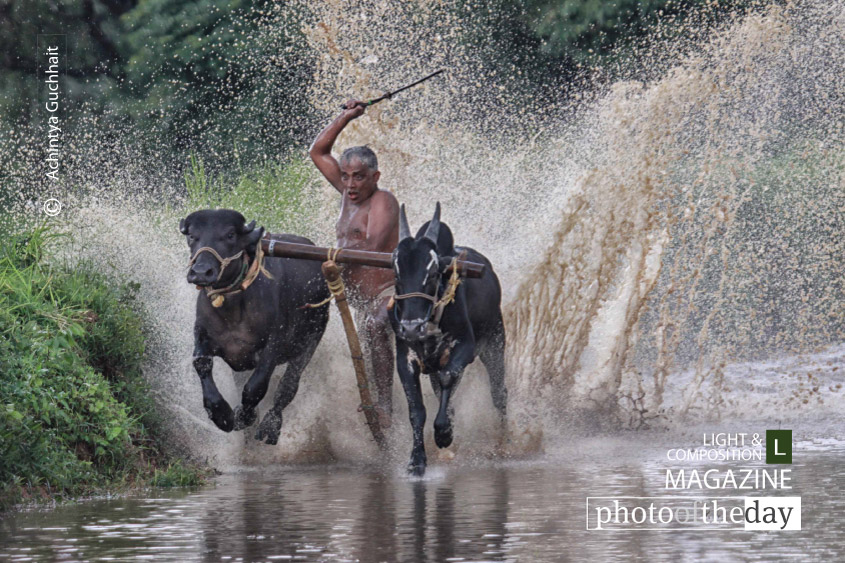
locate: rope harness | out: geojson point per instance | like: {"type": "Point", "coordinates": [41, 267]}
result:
{"type": "Point", "coordinates": [438, 305]}
{"type": "Point", "coordinates": [335, 288]}
{"type": "Point", "coordinates": [248, 274]}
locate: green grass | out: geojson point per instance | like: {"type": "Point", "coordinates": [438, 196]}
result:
{"type": "Point", "coordinates": [176, 474]}
{"type": "Point", "coordinates": [76, 415]}
{"type": "Point", "coordinates": [278, 195]}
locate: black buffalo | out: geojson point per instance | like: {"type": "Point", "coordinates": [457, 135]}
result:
{"type": "Point", "coordinates": [470, 326]}
{"type": "Point", "coordinates": [250, 322]}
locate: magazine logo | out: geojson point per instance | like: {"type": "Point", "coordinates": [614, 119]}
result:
{"type": "Point", "coordinates": [778, 446]}
{"type": "Point", "coordinates": [722, 462]}
{"type": "Point", "coordinates": [685, 513]}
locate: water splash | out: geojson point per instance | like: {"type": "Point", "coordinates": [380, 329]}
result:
{"type": "Point", "coordinates": [649, 232]}
{"type": "Point", "coordinates": [673, 209]}
{"type": "Point", "coordinates": [686, 242]}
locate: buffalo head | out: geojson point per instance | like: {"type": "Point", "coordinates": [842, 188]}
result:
{"type": "Point", "coordinates": [226, 232]}
{"type": "Point", "coordinates": [418, 263]}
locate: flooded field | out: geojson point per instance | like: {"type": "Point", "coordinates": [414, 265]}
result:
{"type": "Point", "coordinates": [531, 510]}
{"type": "Point", "coordinates": [670, 249]}
{"type": "Point", "coordinates": [474, 506]}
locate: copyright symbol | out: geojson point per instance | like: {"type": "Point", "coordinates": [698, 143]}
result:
{"type": "Point", "coordinates": [52, 207]}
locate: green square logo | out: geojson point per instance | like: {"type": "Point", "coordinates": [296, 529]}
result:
{"type": "Point", "coordinates": [778, 446]}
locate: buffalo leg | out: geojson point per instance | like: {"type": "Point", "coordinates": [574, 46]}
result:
{"type": "Point", "coordinates": [271, 424]}
{"type": "Point", "coordinates": [435, 384]}
{"type": "Point", "coordinates": [493, 358]}
{"type": "Point", "coordinates": [449, 377]}
{"type": "Point", "coordinates": [215, 405]}
{"type": "Point", "coordinates": [255, 389]}
{"type": "Point", "coordinates": [409, 375]}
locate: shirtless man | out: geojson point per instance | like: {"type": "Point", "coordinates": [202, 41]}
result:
{"type": "Point", "coordinates": [369, 220]}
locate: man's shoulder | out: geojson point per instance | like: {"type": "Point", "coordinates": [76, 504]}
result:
{"type": "Point", "coordinates": [386, 199]}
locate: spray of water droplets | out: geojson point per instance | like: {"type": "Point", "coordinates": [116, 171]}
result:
{"type": "Point", "coordinates": [656, 236]}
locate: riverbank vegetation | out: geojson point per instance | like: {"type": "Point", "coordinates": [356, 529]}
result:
{"type": "Point", "coordinates": [76, 414]}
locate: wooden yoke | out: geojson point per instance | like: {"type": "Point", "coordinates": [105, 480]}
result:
{"type": "Point", "coordinates": [331, 271]}
{"type": "Point", "coordinates": [283, 249]}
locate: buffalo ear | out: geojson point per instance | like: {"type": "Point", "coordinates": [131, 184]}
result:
{"type": "Point", "coordinates": [246, 229]}
{"type": "Point", "coordinates": [443, 263]}
{"type": "Point", "coordinates": [183, 226]}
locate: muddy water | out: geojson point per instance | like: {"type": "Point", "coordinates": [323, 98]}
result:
{"type": "Point", "coordinates": [653, 208]}
{"type": "Point", "coordinates": [528, 510]}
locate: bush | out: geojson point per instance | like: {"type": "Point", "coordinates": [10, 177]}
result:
{"type": "Point", "coordinates": [75, 412]}
{"type": "Point", "coordinates": [176, 475]}
{"type": "Point", "coordinates": [278, 195]}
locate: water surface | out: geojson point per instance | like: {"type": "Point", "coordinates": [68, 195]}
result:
{"type": "Point", "coordinates": [529, 510]}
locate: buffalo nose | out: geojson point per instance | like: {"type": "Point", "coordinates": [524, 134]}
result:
{"type": "Point", "coordinates": [411, 330]}
{"type": "Point", "coordinates": [201, 275]}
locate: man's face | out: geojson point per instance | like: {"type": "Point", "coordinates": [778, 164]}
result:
{"type": "Point", "coordinates": [358, 179]}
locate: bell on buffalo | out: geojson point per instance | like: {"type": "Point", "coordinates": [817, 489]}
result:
{"type": "Point", "coordinates": [218, 301]}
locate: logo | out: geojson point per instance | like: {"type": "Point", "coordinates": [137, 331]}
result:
{"type": "Point", "coordinates": [718, 504]}
{"type": "Point", "coordinates": [686, 512]}
{"type": "Point", "coordinates": [52, 207]}
{"type": "Point", "coordinates": [779, 446]}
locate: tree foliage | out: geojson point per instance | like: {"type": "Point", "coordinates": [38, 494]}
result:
{"type": "Point", "coordinates": [209, 75]}
{"type": "Point", "coordinates": [581, 28]}
{"type": "Point", "coordinates": [203, 69]}
{"type": "Point", "coordinates": [88, 32]}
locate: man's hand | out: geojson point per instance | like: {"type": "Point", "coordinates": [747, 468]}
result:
{"type": "Point", "coordinates": [321, 149]}
{"type": "Point", "coordinates": [354, 108]}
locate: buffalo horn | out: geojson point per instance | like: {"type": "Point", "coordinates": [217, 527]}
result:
{"type": "Point", "coordinates": [246, 229]}
{"type": "Point", "coordinates": [404, 229]}
{"type": "Point", "coordinates": [434, 226]}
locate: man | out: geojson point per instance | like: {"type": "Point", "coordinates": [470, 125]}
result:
{"type": "Point", "coordinates": [369, 220]}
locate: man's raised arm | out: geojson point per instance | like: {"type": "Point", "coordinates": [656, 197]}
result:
{"type": "Point", "coordinates": [321, 150]}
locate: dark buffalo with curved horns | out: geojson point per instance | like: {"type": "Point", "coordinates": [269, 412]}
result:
{"type": "Point", "coordinates": [250, 314]}
{"type": "Point", "coordinates": [440, 328]}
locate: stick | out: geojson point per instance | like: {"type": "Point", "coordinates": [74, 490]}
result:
{"type": "Point", "coordinates": [283, 249]}
{"type": "Point", "coordinates": [332, 275]}
{"type": "Point", "coordinates": [391, 94]}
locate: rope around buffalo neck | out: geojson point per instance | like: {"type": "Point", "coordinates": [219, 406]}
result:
{"type": "Point", "coordinates": [451, 289]}
{"type": "Point", "coordinates": [448, 294]}
{"type": "Point", "coordinates": [244, 279]}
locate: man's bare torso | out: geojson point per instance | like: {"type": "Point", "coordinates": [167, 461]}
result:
{"type": "Point", "coordinates": [363, 282]}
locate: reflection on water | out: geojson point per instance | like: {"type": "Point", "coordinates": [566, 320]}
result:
{"type": "Point", "coordinates": [513, 511]}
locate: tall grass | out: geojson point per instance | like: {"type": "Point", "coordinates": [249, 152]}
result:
{"type": "Point", "coordinates": [75, 411]}
{"type": "Point", "coordinates": [282, 196]}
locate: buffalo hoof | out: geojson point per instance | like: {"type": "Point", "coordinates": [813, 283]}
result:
{"type": "Point", "coordinates": [442, 435]}
{"type": "Point", "coordinates": [244, 418]}
{"type": "Point", "coordinates": [268, 430]}
{"type": "Point", "coordinates": [416, 470]}
{"type": "Point", "coordinates": [220, 414]}
{"type": "Point", "coordinates": [416, 466]}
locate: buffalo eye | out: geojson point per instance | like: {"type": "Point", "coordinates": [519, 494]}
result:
{"type": "Point", "coordinates": [231, 236]}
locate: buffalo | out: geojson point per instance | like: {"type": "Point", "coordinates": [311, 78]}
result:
{"type": "Point", "coordinates": [250, 313]}
{"type": "Point", "coordinates": [442, 323]}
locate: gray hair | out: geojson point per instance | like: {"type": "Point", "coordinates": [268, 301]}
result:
{"type": "Point", "coordinates": [365, 154]}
